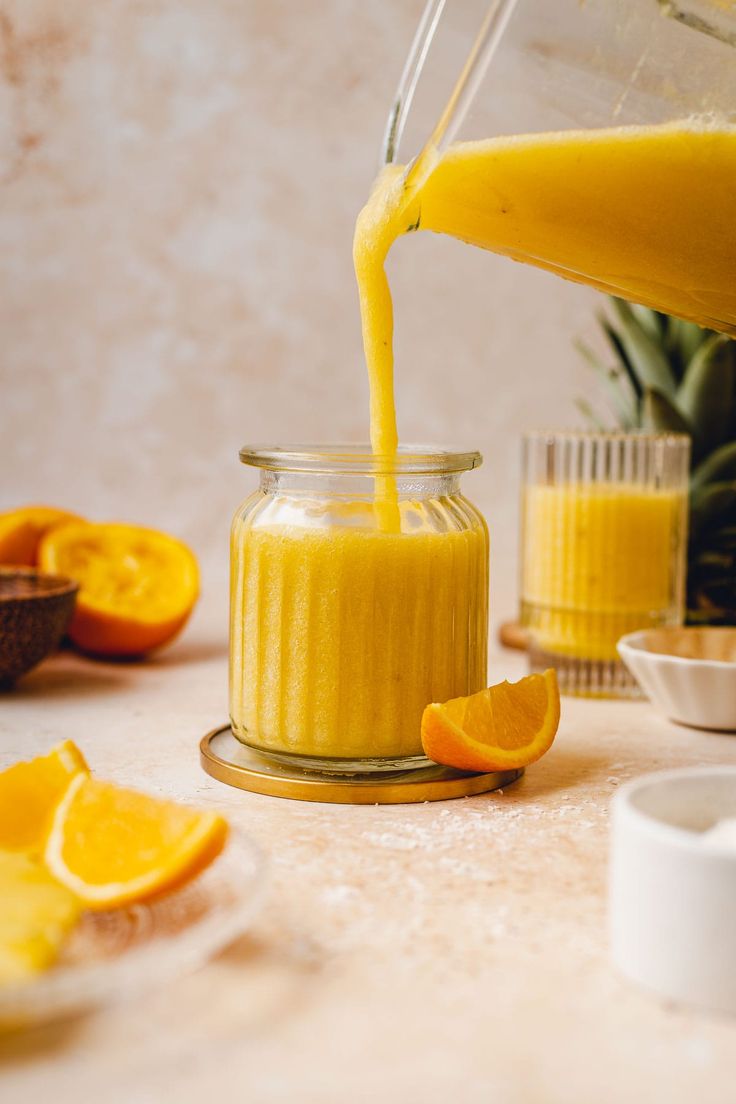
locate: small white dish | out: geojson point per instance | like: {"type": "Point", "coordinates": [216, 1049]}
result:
{"type": "Point", "coordinates": [119, 954]}
{"type": "Point", "coordinates": [672, 890]}
{"type": "Point", "coordinates": [687, 674]}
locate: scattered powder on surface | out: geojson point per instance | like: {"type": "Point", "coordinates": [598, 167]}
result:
{"type": "Point", "coordinates": [393, 842]}
{"type": "Point", "coordinates": [339, 894]}
{"type": "Point", "coordinates": [472, 826]}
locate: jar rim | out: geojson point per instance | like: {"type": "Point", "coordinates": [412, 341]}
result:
{"type": "Point", "coordinates": [359, 459]}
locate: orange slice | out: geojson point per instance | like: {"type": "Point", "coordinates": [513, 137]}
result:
{"type": "Point", "coordinates": [21, 532]}
{"type": "Point", "coordinates": [137, 586]}
{"type": "Point", "coordinates": [30, 792]}
{"type": "Point", "coordinates": [111, 846]}
{"type": "Point", "coordinates": [506, 726]}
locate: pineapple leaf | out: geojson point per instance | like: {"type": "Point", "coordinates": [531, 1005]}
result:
{"type": "Point", "coordinates": [617, 385]}
{"type": "Point", "coordinates": [683, 341]}
{"type": "Point", "coordinates": [705, 395]}
{"type": "Point", "coordinates": [621, 354]}
{"type": "Point", "coordinates": [651, 321]}
{"type": "Point", "coordinates": [724, 540]}
{"type": "Point", "coordinates": [645, 354]}
{"type": "Point", "coordinates": [658, 413]}
{"type": "Point", "coordinates": [590, 415]}
{"type": "Point", "coordinates": [719, 466]}
{"type": "Point", "coordinates": [714, 503]}
{"type": "Point", "coordinates": [712, 600]}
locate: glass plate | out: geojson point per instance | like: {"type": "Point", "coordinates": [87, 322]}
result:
{"type": "Point", "coordinates": [115, 955]}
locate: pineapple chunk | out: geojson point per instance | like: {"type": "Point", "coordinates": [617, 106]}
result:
{"type": "Point", "coordinates": [36, 915]}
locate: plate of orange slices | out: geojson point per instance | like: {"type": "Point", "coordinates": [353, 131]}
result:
{"type": "Point", "coordinates": [107, 891]}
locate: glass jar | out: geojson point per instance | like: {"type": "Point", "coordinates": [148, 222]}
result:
{"type": "Point", "coordinates": [603, 542]}
{"type": "Point", "coordinates": [348, 617]}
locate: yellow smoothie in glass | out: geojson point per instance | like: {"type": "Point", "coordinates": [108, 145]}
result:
{"type": "Point", "coordinates": [599, 561]}
{"type": "Point", "coordinates": [341, 634]}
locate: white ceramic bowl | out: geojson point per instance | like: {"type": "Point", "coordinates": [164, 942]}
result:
{"type": "Point", "coordinates": [672, 892]}
{"type": "Point", "coordinates": [688, 674]}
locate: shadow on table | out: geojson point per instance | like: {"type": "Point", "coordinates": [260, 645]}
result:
{"type": "Point", "coordinates": [564, 769]}
{"type": "Point", "coordinates": [26, 1045]}
{"type": "Point", "coordinates": [68, 676]}
{"type": "Point", "coordinates": [188, 651]}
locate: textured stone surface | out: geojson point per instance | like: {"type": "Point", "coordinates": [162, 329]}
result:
{"type": "Point", "coordinates": [453, 950]}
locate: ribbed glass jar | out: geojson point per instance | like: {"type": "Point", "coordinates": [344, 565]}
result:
{"type": "Point", "coordinates": [604, 535]}
{"type": "Point", "coordinates": [359, 594]}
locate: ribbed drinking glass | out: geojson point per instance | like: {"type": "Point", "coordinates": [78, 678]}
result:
{"type": "Point", "coordinates": [603, 540]}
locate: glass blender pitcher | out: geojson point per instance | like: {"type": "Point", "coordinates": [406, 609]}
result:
{"type": "Point", "coordinates": [594, 138]}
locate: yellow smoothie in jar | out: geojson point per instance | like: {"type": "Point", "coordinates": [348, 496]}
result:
{"type": "Point", "coordinates": [342, 634]}
{"type": "Point", "coordinates": [600, 562]}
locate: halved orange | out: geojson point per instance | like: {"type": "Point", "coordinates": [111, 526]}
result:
{"type": "Point", "coordinates": [111, 846]}
{"type": "Point", "coordinates": [507, 726]}
{"type": "Point", "coordinates": [21, 532]}
{"type": "Point", "coordinates": [30, 792]}
{"type": "Point", "coordinates": [137, 586]}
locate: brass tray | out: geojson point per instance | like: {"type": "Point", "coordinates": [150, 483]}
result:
{"type": "Point", "coordinates": [227, 760]}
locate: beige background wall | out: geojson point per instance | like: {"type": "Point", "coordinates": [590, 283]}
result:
{"type": "Point", "coordinates": [178, 184]}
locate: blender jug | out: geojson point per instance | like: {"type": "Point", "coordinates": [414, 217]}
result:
{"type": "Point", "coordinates": [594, 138]}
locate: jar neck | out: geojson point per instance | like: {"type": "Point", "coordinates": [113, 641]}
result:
{"type": "Point", "coordinates": [357, 486]}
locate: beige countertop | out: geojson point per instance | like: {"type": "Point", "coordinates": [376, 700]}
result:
{"type": "Point", "coordinates": [453, 951]}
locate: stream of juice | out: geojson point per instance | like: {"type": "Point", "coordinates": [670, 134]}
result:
{"type": "Point", "coordinates": [642, 212]}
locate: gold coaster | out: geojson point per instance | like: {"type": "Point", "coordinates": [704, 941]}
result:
{"type": "Point", "coordinates": [227, 760]}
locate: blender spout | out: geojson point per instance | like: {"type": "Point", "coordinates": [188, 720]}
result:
{"type": "Point", "coordinates": [484, 43]}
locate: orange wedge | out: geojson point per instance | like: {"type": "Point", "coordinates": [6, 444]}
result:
{"type": "Point", "coordinates": [30, 792]}
{"type": "Point", "coordinates": [111, 846]}
{"type": "Point", "coordinates": [21, 532]}
{"type": "Point", "coordinates": [137, 586]}
{"type": "Point", "coordinates": [504, 727]}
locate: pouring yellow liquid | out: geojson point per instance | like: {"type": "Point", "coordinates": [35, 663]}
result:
{"type": "Point", "coordinates": [642, 212]}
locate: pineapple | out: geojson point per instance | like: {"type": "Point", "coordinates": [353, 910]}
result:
{"type": "Point", "coordinates": [673, 375]}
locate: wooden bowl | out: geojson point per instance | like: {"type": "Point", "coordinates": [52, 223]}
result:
{"type": "Point", "coordinates": [35, 611]}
